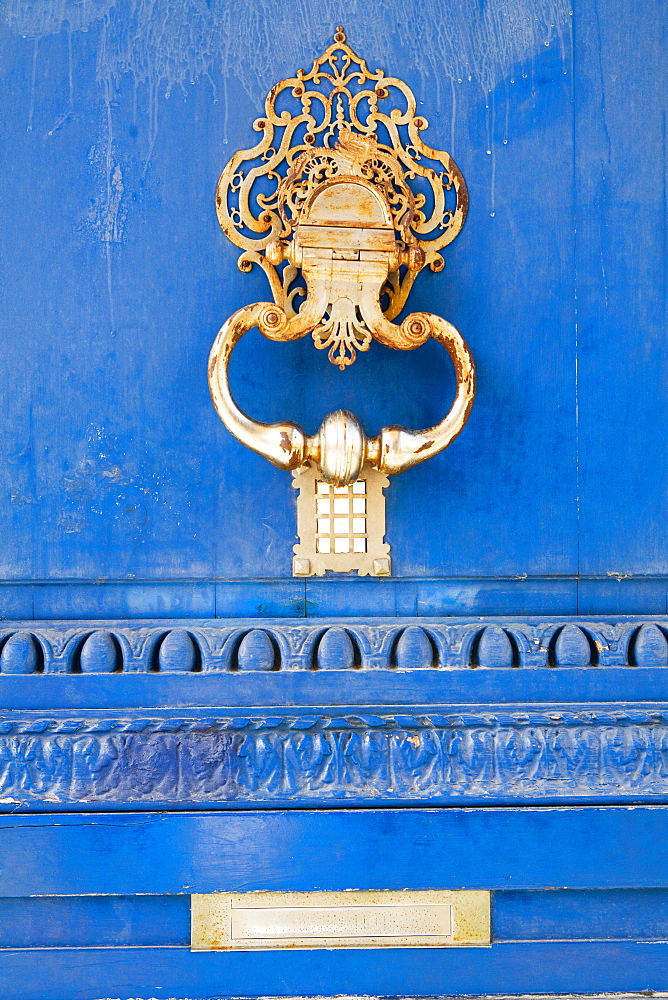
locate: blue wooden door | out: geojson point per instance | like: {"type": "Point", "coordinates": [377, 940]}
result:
{"type": "Point", "coordinates": [179, 714]}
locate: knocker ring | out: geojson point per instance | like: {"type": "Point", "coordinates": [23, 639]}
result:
{"type": "Point", "coordinates": [340, 448]}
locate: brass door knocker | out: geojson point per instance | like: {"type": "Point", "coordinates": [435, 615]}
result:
{"type": "Point", "coordinates": [347, 197]}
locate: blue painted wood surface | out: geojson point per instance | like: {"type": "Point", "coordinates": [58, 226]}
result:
{"type": "Point", "coordinates": [610, 930]}
{"type": "Point", "coordinates": [115, 467]}
{"type": "Point", "coordinates": [589, 847]}
{"type": "Point", "coordinates": [514, 968]}
{"type": "Point", "coordinates": [571, 914]}
{"type": "Point", "coordinates": [287, 598]}
{"type": "Point", "coordinates": [123, 497]}
{"type": "Point", "coordinates": [615, 687]}
{"type": "Point", "coordinates": [336, 596]}
{"type": "Point", "coordinates": [114, 921]}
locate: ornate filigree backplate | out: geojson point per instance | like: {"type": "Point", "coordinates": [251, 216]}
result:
{"type": "Point", "coordinates": [341, 119]}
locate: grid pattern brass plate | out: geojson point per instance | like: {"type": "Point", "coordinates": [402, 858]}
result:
{"type": "Point", "coordinates": [341, 528]}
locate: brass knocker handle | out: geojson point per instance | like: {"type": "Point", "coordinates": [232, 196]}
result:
{"type": "Point", "coordinates": [340, 448]}
{"type": "Point", "coordinates": [359, 204]}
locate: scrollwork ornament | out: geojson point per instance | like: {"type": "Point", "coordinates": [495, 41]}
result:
{"type": "Point", "coordinates": [262, 188]}
{"type": "Point", "coordinates": [272, 322]}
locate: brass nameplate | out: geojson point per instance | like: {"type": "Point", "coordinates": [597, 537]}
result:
{"type": "Point", "coordinates": [260, 921]}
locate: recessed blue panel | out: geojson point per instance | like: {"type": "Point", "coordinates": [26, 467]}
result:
{"type": "Point", "coordinates": [94, 921]}
{"type": "Point", "coordinates": [620, 183]}
{"type": "Point", "coordinates": [115, 465]}
{"type": "Point", "coordinates": [580, 914]}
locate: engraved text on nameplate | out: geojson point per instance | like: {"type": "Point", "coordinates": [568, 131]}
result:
{"type": "Point", "coordinates": [268, 920]}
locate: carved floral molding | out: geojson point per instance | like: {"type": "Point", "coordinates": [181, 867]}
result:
{"type": "Point", "coordinates": [140, 757]}
{"type": "Point", "coordinates": [552, 754]}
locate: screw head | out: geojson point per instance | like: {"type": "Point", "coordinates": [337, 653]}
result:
{"type": "Point", "coordinates": [301, 567]}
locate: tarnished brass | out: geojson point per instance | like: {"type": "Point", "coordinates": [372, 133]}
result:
{"type": "Point", "coordinates": [347, 198]}
{"type": "Point", "coordinates": [340, 528]}
{"type": "Point", "coordinates": [265, 921]}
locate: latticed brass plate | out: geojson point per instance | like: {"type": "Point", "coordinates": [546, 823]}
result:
{"type": "Point", "coordinates": [341, 528]}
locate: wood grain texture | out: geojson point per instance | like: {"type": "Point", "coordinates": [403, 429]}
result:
{"type": "Point", "coordinates": [621, 107]}
{"type": "Point", "coordinates": [128, 974]}
{"type": "Point", "coordinates": [495, 848]}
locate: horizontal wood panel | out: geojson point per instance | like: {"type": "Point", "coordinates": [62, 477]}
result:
{"type": "Point", "coordinates": [318, 598]}
{"type": "Point", "coordinates": [429, 690]}
{"type": "Point", "coordinates": [126, 974]}
{"type": "Point", "coordinates": [580, 914]}
{"type": "Point", "coordinates": [130, 853]}
{"type": "Point", "coordinates": [164, 921]}
{"type": "Point", "coordinates": [94, 921]}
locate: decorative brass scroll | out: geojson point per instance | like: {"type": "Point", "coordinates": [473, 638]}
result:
{"type": "Point", "coordinates": [341, 204]}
